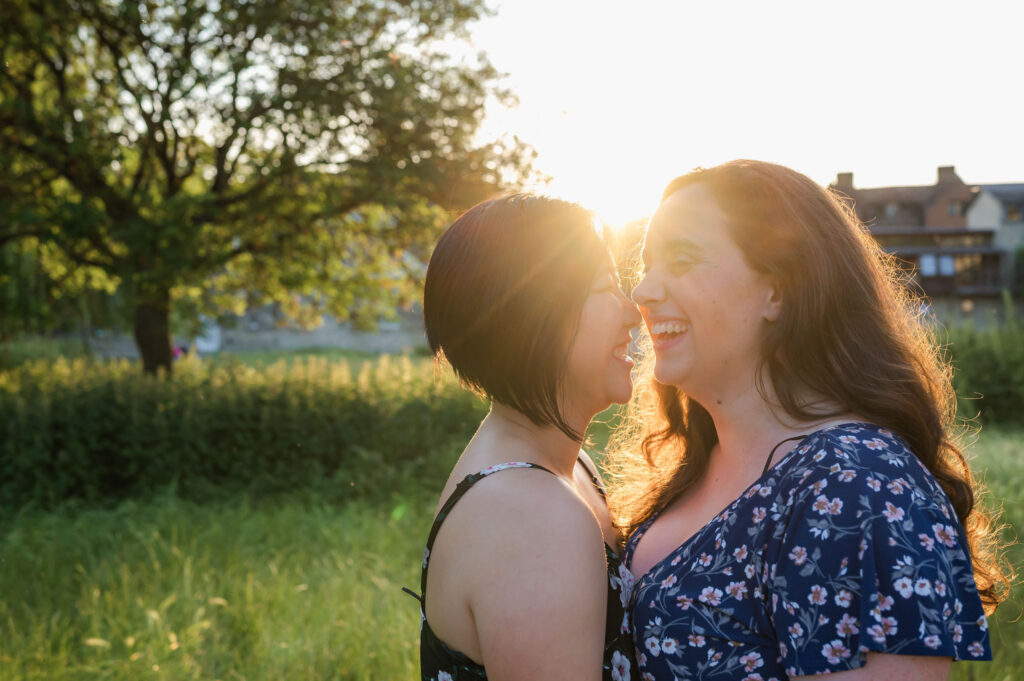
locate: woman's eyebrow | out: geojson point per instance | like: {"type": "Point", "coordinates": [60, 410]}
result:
{"type": "Point", "coordinates": [682, 245]}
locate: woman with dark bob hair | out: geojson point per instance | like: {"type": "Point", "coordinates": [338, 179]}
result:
{"type": "Point", "coordinates": [795, 498]}
{"type": "Point", "coordinates": [519, 582]}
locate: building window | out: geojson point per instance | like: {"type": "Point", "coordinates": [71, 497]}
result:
{"type": "Point", "coordinates": [956, 208]}
{"type": "Point", "coordinates": [892, 210]}
{"type": "Point", "coordinates": [947, 266]}
{"type": "Point", "coordinates": [1013, 213]}
{"type": "Point", "coordinates": [928, 265]}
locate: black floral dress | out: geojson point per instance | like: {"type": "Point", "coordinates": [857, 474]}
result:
{"type": "Point", "coordinates": [438, 662]}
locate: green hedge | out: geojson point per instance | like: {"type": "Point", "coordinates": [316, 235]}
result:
{"type": "Point", "coordinates": [101, 431]}
{"type": "Point", "coordinates": [989, 371]}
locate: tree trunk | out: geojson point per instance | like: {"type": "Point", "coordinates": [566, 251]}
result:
{"type": "Point", "coordinates": [152, 329]}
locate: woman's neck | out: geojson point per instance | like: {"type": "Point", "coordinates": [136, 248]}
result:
{"type": "Point", "coordinates": [750, 424]}
{"type": "Point", "coordinates": [547, 445]}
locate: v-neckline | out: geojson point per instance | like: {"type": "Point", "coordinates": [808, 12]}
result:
{"type": "Point", "coordinates": [689, 540]}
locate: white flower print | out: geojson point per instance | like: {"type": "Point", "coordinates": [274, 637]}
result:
{"type": "Point", "coordinates": [904, 586]}
{"type": "Point", "coordinates": [876, 632]}
{"type": "Point", "coordinates": [798, 555]}
{"type": "Point", "coordinates": [751, 661]}
{"type": "Point", "coordinates": [892, 513]}
{"type": "Point", "coordinates": [796, 630]}
{"type": "Point", "coordinates": [740, 553]}
{"type": "Point", "coordinates": [875, 444]}
{"type": "Point", "coordinates": [835, 652]}
{"type": "Point", "coordinates": [874, 484]}
{"type": "Point", "coordinates": [668, 646]}
{"type": "Point", "coordinates": [927, 542]}
{"type": "Point", "coordinates": [818, 595]}
{"type": "Point", "coordinates": [710, 595]}
{"type": "Point", "coordinates": [932, 641]}
{"type": "Point", "coordinates": [737, 590]}
{"type": "Point", "coordinates": [759, 514]}
{"type": "Point", "coordinates": [669, 581]}
{"type": "Point", "coordinates": [684, 602]}
{"type": "Point", "coordinates": [696, 640]}
{"type": "Point", "coordinates": [620, 667]}
{"type": "Point", "coordinates": [847, 626]}
{"type": "Point", "coordinates": [945, 534]}
{"type": "Point", "coordinates": [897, 486]}
{"type": "Point", "coordinates": [653, 646]}
{"type": "Point", "coordinates": [976, 649]}
{"type": "Point", "coordinates": [844, 598]}
{"type": "Point", "coordinates": [444, 676]}
{"type": "Point", "coordinates": [923, 587]}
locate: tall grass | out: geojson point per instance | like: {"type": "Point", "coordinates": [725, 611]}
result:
{"type": "Point", "coordinates": [168, 589]}
{"type": "Point", "coordinates": [294, 587]}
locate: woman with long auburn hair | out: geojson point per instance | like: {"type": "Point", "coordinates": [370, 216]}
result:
{"type": "Point", "coordinates": [788, 476]}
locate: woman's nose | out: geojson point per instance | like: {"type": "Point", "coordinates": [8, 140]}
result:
{"type": "Point", "coordinates": [646, 292]}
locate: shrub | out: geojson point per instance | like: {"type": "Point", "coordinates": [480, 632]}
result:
{"type": "Point", "coordinates": [989, 370]}
{"type": "Point", "coordinates": [80, 430]}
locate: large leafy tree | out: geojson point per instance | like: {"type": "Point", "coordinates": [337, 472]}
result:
{"type": "Point", "coordinates": [209, 154]}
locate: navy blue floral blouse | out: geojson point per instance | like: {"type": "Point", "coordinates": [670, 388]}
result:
{"type": "Point", "coordinates": [848, 545]}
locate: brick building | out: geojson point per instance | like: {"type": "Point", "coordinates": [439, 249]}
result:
{"type": "Point", "coordinates": [962, 242]}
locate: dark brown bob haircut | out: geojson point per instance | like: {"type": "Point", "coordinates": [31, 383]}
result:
{"type": "Point", "coordinates": [504, 291]}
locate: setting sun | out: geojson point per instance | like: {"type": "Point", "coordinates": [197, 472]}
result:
{"type": "Point", "coordinates": [618, 103]}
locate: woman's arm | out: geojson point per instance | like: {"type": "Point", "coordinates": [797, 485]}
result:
{"type": "Point", "coordinates": [539, 594]}
{"type": "Point", "coordinates": [882, 667]}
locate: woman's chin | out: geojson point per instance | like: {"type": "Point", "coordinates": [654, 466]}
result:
{"type": "Point", "coordinates": [669, 373]}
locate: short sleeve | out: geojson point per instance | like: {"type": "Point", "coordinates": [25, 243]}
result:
{"type": "Point", "coordinates": [870, 557]}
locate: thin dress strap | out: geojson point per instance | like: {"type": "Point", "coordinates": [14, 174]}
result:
{"type": "Point", "coordinates": [460, 490]}
{"type": "Point", "coordinates": [594, 477]}
{"type": "Point", "coordinates": [772, 453]}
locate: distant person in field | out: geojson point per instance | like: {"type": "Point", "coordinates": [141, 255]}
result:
{"type": "Point", "coordinates": [795, 498]}
{"type": "Point", "coordinates": [520, 578]}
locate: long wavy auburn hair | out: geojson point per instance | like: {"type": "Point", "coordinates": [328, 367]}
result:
{"type": "Point", "coordinates": [850, 332]}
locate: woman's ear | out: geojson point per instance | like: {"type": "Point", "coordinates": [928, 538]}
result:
{"type": "Point", "coordinates": [772, 301]}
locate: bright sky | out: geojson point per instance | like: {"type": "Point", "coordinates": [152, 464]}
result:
{"type": "Point", "coordinates": [620, 97]}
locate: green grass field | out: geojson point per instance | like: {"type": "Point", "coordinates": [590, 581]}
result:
{"type": "Point", "coordinates": [288, 588]}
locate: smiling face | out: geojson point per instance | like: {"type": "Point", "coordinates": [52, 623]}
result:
{"type": "Point", "coordinates": [704, 306]}
{"type": "Point", "coordinates": [598, 368]}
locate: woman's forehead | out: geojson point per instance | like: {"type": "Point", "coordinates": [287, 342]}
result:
{"type": "Point", "coordinates": [686, 221]}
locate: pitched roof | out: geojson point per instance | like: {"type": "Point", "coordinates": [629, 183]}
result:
{"type": "Point", "coordinates": [921, 195]}
{"type": "Point", "coordinates": [1007, 193]}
